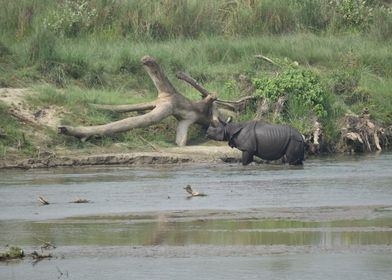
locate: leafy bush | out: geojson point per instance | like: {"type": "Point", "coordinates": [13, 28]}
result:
{"type": "Point", "coordinates": [357, 14]}
{"type": "Point", "coordinates": [71, 18]}
{"type": "Point", "coordinates": [300, 85]}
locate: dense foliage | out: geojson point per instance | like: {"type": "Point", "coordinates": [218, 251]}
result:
{"type": "Point", "coordinates": [301, 86]}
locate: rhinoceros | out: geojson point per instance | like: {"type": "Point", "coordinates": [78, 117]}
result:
{"type": "Point", "coordinates": [267, 141]}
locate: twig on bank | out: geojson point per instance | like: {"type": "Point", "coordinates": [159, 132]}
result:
{"type": "Point", "coordinates": [151, 144]}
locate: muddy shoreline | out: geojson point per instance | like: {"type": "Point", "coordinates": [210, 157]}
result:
{"type": "Point", "coordinates": [177, 155]}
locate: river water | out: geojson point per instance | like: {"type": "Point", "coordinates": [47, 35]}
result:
{"type": "Point", "coordinates": [330, 218]}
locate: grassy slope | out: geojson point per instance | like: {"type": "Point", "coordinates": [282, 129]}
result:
{"type": "Point", "coordinates": [100, 65]}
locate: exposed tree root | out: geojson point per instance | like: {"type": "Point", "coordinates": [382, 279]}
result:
{"type": "Point", "coordinates": [360, 134]}
{"type": "Point", "coordinates": [168, 103]}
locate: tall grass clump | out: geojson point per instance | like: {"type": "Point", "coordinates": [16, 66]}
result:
{"type": "Point", "coordinates": [42, 47]}
{"type": "Point", "coordinates": [168, 19]}
{"type": "Point", "coordinates": [13, 137]}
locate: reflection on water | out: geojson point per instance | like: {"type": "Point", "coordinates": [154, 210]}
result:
{"type": "Point", "coordinates": [121, 232]}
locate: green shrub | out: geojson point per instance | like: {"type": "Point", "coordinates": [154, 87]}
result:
{"type": "Point", "coordinates": [344, 82]}
{"type": "Point", "coordinates": [355, 14]}
{"type": "Point", "coordinates": [298, 84]}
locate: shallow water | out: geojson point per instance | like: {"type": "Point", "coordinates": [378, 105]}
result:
{"type": "Point", "coordinates": [330, 181]}
{"type": "Point", "coordinates": [345, 266]}
{"type": "Point", "coordinates": [330, 218]}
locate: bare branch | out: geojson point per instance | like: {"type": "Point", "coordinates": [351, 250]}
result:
{"type": "Point", "coordinates": [161, 82]}
{"type": "Point", "coordinates": [185, 77]}
{"type": "Point", "coordinates": [231, 105]}
{"type": "Point", "coordinates": [126, 108]}
{"type": "Point", "coordinates": [235, 105]}
{"type": "Point", "coordinates": [260, 56]}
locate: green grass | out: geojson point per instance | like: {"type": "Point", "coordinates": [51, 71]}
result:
{"type": "Point", "coordinates": [97, 59]}
{"type": "Point", "coordinates": [168, 19]}
{"type": "Point", "coordinates": [14, 138]}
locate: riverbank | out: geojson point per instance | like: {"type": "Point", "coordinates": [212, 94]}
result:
{"type": "Point", "coordinates": [32, 141]}
{"type": "Point", "coordinates": [175, 155]}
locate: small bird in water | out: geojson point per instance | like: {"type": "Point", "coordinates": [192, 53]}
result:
{"type": "Point", "coordinates": [189, 190]}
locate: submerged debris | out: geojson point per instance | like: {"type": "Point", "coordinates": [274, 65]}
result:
{"type": "Point", "coordinates": [13, 252]}
{"type": "Point", "coordinates": [80, 200]}
{"type": "Point", "coordinates": [46, 244]}
{"type": "Point", "coordinates": [39, 256]}
{"type": "Point", "coordinates": [189, 190]}
{"type": "Point", "coordinates": [43, 200]}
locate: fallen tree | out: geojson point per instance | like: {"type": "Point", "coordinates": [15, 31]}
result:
{"type": "Point", "coordinates": [168, 103]}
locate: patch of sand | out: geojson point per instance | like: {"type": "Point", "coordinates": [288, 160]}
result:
{"type": "Point", "coordinates": [15, 98]}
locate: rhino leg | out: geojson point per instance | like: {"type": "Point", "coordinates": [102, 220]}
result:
{"type": "Point", "coordinates": [247, 157]}
{"type": "Point", "coordinates": [295, 152]}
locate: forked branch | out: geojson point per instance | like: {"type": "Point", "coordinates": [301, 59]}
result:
{"type": "Point", "coordinates": [231, 105]}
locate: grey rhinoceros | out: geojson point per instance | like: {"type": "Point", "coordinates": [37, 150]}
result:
{"type": "Point", "coordinates": [267, 141]}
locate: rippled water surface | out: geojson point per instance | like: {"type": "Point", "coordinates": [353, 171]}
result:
{"type": "Point", "coordinates": [332, 181]}
{"type": "Point", "coordinates": [135, 228]}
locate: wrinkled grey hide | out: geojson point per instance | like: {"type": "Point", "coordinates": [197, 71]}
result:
{"type": "Point", "coordinates": [267, 141]}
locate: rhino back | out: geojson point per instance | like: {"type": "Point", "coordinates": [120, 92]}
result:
{"type": "Point", "coordinates": [272, 140]}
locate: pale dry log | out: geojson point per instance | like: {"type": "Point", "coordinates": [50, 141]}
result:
{"type": "Point", "coordinates": [155, 116]}
{"type": "Point", "coordinates": [169, 102]}
{"type": "Point", "coordinates": [127, 107]}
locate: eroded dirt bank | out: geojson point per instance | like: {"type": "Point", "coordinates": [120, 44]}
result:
{"type": "Point", "coordinates": [177, 155]}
